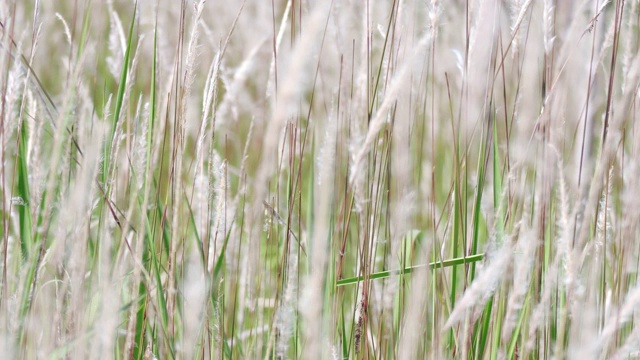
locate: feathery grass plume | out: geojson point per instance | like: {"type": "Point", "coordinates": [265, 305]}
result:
{"type": "Point", "coordinates": [200, 204]}
{"type": "Point", "coordinates": [631, 182]}
{"type": "Point", "coordinates": [623, 315]}
{"type": "Point", "coordinates": [585, 153]}
{"type": "Point", "coordinates": [195, 297]}
{"type": "Point", "coordinates": [286, 311]}
{"type": "Point", "coordinates": [219, 226]}
{"type": "Point", "coordinates": [313, 311]}
{"type": "Point", "coordinates": [412, 322]}
{"type": "Point", "coordinates": [604, 222]}
{"type": "Point", "coordinates": [13, 93]}
{"type": "Point", "coordinates": [67, 31]}
{"type": "Point", "coordinates": [523, 264]}
{"type": "Point", "coordinates": [77, 209]}
{"type": "Point", "coordinates": [434, 14]}
{"type": "Point", "coordinates": [547, 25]}
{"type": "Point", "coordinates": [583, 332]}
{"type": "Point", "coordinates": [514, 11]}
{"type": "Point", "coordinates": [117, 43]}
{"type": "Point", "coordinates": [403, 73]}
{"type": "Point", "coordinates": [518, 15]}
{"type": "Point", "coordinates": [140, 139]}
{"type": "Point", "coordinates": [564, 221]}
{"type": "Point", "coordinates": [108, 310]}
{"type": "Point", "coordinates": [485, 284]}
{"type": "Point", "coordinates": [565, 250]}
{"type": "Point", "coordinates": [358, 105]}
{"type": "Point", "coordinates": [216, 324]}
{"type": "Point", "coordinates": [245, 152]}
{"type": "Point", "coordinates": [357, 178]}
{"type": "Point", "coordinates": [608, 36]}
{"type": "Point", "coordinates": [201, 180]}
{"type": "Point", "coordinates": [595, 91]}
{"type": "Point", "coordinates": [227, 109]}
{"type": "Point", "coordinates": [243, 286]}
{"type": "Point", "coordinates": [631, 48]}
{"type": "Point", "coordinates": [273, 76]}
{"type": "Point", "coordinates": [33, 146]}
{"type": "Point", "coordinates": [542, 310]}
{"type": "Point", "coordinates": [483, 28]}
{"type": "Point", "coordinates": [118, 136]}
{"type": "Point", "coordinates": [210, 93]}
{"type": "Point", "coordinates": [192, 49]}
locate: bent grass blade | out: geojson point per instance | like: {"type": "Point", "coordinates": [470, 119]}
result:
{"type": "Point", "coordinates": [409, 270]}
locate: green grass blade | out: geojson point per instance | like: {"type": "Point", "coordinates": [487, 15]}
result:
{"type": "Point", "coordinates": [409, 270]}
{"type": "Point", "coordinates": [24, 209]}
{"type": "Point", "coordinates": [122, 86]}
{"type": "Point", "coordinates": [477, 207]}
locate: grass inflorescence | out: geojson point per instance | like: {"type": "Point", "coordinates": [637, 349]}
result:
{"type": "Point", "coordinates": [319, 179]}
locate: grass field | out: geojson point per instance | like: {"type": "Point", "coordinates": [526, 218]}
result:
{"type": "Point", "coordinates": [322, 179]}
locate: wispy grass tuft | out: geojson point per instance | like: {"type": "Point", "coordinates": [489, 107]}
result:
{"type": "Point", "coordinates": [339, 179]}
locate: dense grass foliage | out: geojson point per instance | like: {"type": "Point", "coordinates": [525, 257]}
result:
{"type": "Point", "coordinates": [348, 179]}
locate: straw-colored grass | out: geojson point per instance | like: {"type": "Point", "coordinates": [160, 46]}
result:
{"type": "Point", "coordinates": [319, 179]}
